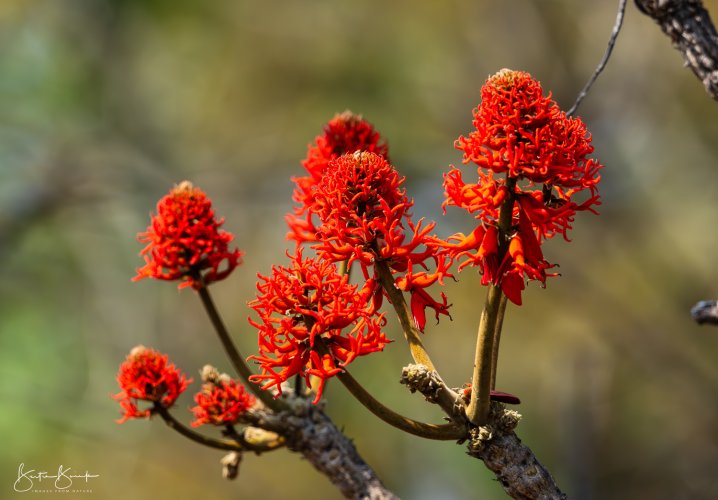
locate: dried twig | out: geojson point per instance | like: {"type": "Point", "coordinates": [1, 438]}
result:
{"type": "Point", "coordinates": [604, 60]}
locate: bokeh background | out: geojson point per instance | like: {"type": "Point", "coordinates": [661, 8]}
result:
{"type": "Point", "coordinates": [105, 104]}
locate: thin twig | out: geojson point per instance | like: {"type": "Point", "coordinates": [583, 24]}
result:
{"type": "Point", "coordinates": [601, 65]}
{"type": "Point", "coordinates": [173, 423]}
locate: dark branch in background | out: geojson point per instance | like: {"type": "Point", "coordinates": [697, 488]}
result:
{"type": "Point", "coordinates": [601, 65]}
{"type": "Point", "coordinates": [705, 311]}
{"type": "Point", "coordinates": [689, 26]}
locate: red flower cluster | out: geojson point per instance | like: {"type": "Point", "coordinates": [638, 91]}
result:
{"type": "Point", "coordinates": [345, 133]}
{"type": "Point", "coordinates": [185, 242]}
{"type": "Point", "coordinates": [364, 215]}
{"type": "Point", "coordinates": [308, 304]}
{"type": "Point", "coordinates": [222, 401]}
{"type": "Point", "coordinates": [548, 178]}
{"type": "Point", "coordinates": [146, 375]}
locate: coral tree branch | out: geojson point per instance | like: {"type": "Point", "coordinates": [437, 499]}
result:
{"type": "Point", "coordinates": [690, 28]}
{"type": "Point", "coordinates": [309, 431]}
{"type": "Point", "coordinates": [495, 443]}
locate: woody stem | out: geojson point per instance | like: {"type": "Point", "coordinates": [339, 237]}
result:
{"type": "Point", "coordinates": [234, 356]}
{"type": "Point", "coordinates": [418, 352]}
{"type": "Point", "coordinates": [488, 336]}
{"type": "Point", "coordinates": [221, 444]}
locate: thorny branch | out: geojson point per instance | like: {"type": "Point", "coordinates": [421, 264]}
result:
{"type": "Point", "coordinates": [689, 26]}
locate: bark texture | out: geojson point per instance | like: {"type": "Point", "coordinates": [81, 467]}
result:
{"type": "Point", "coordinates": [689, 26]}
{"type": "Point", "coordinates": [309, 431]}
{"type": "Point", "coordinates": [514, 464]}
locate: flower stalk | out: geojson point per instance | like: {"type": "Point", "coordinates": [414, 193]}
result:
{"type": "Point", "coordinates": [235, 357]}
{"type": "Point", "coordinates": [174, 424]}
{"type": "Point", "coordinates": [483, 379]}
{"type": "Point", "coordinates": [411, 334]}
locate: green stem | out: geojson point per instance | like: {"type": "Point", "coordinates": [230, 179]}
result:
{"type": "Point", "coordinates": [487, 338]}
{"type": "Point", "coordinates": [411, 333]}
{"type": "Point", "coordinates": [234, 356]}
{"type": "Point", "coordinates": [478, 409]}
{"type": "Point", "coordinates": [220, 444]}
{"type": "Point", "coordinates": [445, 432]}
{"type": "Point", "coordinates": [345, 268]}
{"type": "Point", "coordinates": [497, 339]}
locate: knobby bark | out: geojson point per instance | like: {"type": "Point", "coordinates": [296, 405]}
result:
{"type": "Point", "coordinates": [309, 431]}
{"type": "Point", "coordinates": [689, 26]}
{"type": "Point", "coordinates": [495, 443]}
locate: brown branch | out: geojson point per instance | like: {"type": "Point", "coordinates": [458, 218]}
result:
{"type": "Point", "coordinates": [705, 311]}
{"type": "Point", "coordinates": [495, 443]}
{"type": "Point", "coordinates": [173, 423]}
{"type": "Point", "coordinates": [309, 431]}
{"type": "Point", "coordinates": [689, 26]}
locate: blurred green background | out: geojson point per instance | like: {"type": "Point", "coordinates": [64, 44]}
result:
{"type": "Point", "coordinates": [105, 104]}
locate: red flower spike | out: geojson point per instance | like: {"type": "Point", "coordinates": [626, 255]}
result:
{"type": "Point", "coordinates": [345, 133]}
{"type": "Point", "coordinates": [303, 302]}
{"type": "Point", "coordinates": [185, 242]}
{"type": "Point", "coordinates": [521, 135]}
{"type": "Point", "coordinates": [221, 402]}
{"type": "Point", "coordinates": [146, 375]}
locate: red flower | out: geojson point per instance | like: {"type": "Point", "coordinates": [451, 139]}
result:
{"type": "Point", "coordinates": [184, 241]}
{"type": "Point", "coordinates": [309, 303]}
{"type": "Point", "coordinates": [542, 156]}
{"type": "Point", "coordinates": [345, 133]}
{"type": "Point", "coordinates": [222, 400]}
{"type": "Point", "coordinates": [364, 216]}
{"type": "Point", "coordinates": [146, 375]}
